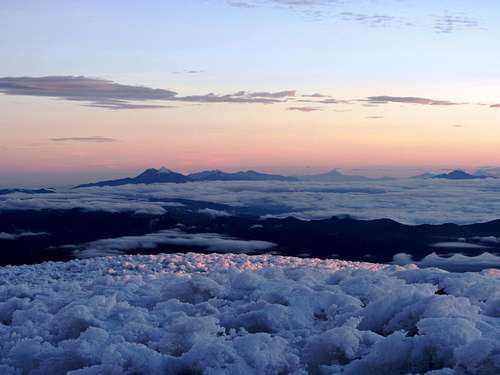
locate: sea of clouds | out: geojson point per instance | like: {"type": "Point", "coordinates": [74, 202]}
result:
{"type": "Point", "coordinates": [240, 314]}
{"type": "Point", "coordinates": [409, 201]}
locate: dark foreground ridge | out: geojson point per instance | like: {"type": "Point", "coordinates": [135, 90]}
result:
{"type": "Point", "coordinates": [34, 236]}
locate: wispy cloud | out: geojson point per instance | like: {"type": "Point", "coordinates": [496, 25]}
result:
{"type": "Point", "coordinates": [328, 100]}
{"type": "Point", "coordinates": [333, 101]}
{"type": "Point", "coordinates": [291, 3]}
{"type": "Point", "coordinates": [316, 95]}
{"type": "Point", "coordinates": [122, 104]}
{"type": "Point", "coordinates": [189, 72]}
{"type": "Point", "coordinates": [495, 106]}
{"type": "Point", "coordinates": [242, 97]}
{"type": "Point", "coordinates": [372, 20]}
{"type": "Point", "coordinates": [95, 139]}
{"type": "Point", "coordinates": [241, 4]}
{"type": "Point", "coordinates": [18, 235]}
{"type": "Point", "coordinates": [305, 109]}
{"type": "Point", "coordinates": [346, 11]}
{"type": "Point", "coordinates": [408, 99]}
{"type": "Point", "coordinates": [374, 117]}
{"type": "Point", "coordinates": [211, 241]}
{"type": "Point", "coordinates": [450, 23]}
{"type": "Point", "coordinates": [98, 92]}
{"type": "Point", "coordinates": [101, 93]}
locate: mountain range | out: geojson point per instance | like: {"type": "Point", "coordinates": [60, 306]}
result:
{"type": "Point", "coordinates": [218, 175]}
{"type": "Point", "coordinates": [164, 175]}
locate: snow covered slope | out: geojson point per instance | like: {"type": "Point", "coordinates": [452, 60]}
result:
{"type": "Point", "coordinates": [239, 314]}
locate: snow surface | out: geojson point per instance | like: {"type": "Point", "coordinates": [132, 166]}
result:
{"type": "Point", "coordinates": [240, 314]}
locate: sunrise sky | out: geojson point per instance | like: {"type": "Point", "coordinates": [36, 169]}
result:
{"type": "Point", "coordinates": [103, 89]}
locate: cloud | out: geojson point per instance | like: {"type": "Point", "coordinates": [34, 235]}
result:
{"type": "Point", "coordinates": [95, 90]}
{"type": "Point", "coordinates": [495, 106]}
{"type": "Point", "coordinates": [458, 245]}
{"type": "Point", "coordinates": [189, 72]}
{"type": "Point", "coordinates": [67, 200]}
{"type": "Point", "coordinates": [305, 109]}
{"type": "Point", "coordinates": [316, 95]}
{"type": "Point", "coordinates": [242, 97]}
{"type": "Point", "coordinates": [323, 101]}
{"type": "Point", "coordinates": [291, 3]}
{"type": "Point", "coordinates": [276, 95]}
{"type": "Point", "coordinates": [95, 139]}
{"type": "Point", "coordinates": [454, 263]}
{"type": "Point", "coordinates": [214, 213]}
{"type": "Point", "coordinates": [408, 201]}
{"type": "Point", "coordinates": [101, 93]}
{"type": "Point", "coordinates": [18, 235]}
{"type": "Point", "coordinates": [449, 23]}
{"type": "Point", "coordinates": [487, 239]}
{"type": "Point", "coordinates": [369, 20]}
{"type": "Point", "coordinates": [318, 9]}
{"type": "Point", "coordinates": [408, 99]}
{"type": "Point", "coordinates": [241, 4]}
{"type": "Point", "coordinates": [374, 117]}
{"type": "Point", "coordinates": [121, 104]}
{"type": "Point", "coordinates": [211, 241]}
{"type": "Point", "coordinates": [333, 101]}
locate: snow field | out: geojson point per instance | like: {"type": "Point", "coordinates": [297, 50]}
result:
{"type": "Point", "coordinates": [240, 314]}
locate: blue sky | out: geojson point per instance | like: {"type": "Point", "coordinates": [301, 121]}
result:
{"type": "Point", "coordinates": [347, 50]}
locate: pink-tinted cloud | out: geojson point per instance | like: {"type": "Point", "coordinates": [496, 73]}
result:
{"type": "Point", "coordinates": [305, 109]}
{"type": "Point", "coordinates": [408, 99]}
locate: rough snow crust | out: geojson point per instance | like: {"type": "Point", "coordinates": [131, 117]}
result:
{"type": "Point", "coordinates": [240, 314]}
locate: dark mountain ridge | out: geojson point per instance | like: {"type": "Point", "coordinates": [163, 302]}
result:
{"type": "Point", "coordinates": [164, 175]}
{"type": "Point", "coordinates": [344, 237]}
{"type": "Point", "coordinates": [460, 175]}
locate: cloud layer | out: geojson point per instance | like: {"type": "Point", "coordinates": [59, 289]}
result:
{"type": "Point", "coordinates": [102, 93]}
{"type": "Point", "coordinates": [409, 201]}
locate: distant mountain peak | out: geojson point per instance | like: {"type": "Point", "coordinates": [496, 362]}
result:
{"type": "Point", "coordinates": [165, 170]}
{"type": "Point", "coordinates": [459, 174]}
{"type": "Point", "coordinates": [149, 176]}
{"type": "Point", "coordinates": [333, 175]}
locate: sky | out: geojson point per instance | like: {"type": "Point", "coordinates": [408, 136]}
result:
{"type": "Point", "coordinates": [92, 89]}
